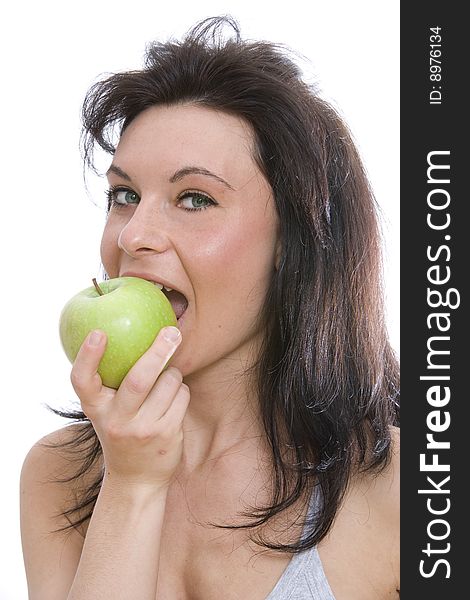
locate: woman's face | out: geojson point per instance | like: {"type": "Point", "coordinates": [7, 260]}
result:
{"type": "Point", "coordinates": [192, 210]}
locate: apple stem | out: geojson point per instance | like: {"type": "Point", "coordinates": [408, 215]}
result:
{"type": "Point", "coordinates": [98, 289]}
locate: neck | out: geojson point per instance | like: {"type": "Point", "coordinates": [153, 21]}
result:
{"type": "Point", "coordinates": [223, 413]}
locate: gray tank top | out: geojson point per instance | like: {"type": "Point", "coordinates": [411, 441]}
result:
{"type": "Point", "coordinates": [303, 578]}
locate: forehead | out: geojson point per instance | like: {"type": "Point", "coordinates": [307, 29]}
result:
{"type": "Point", "coordinates": [187, 134]}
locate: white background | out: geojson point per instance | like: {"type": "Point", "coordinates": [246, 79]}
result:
{"type": "Point", "coordinates": [50, 227]}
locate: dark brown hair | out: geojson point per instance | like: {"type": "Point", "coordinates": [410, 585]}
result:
{"type": "Point", "coordinates": [327, 378]}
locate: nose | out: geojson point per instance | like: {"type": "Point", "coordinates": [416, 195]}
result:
{"type": "Point", "coordinates": [144, 233]}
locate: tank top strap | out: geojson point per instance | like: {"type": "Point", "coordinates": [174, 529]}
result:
{"type": "Point", "coordinates": [304, 577]}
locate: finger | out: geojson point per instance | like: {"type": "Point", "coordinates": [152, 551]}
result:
{"type": "Point", "coordinates": [172, 420]}
{"type": "Point", "coordinates": [161, 395]}
{"type": "Point", "coordinates": [141, 378]}
{"type": "Point", "coordinates": [84, 375]}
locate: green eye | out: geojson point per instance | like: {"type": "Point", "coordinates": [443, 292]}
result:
{"type": "Point", "coordinates": [126, 197]}
{"type": "Point", "coordinates": [122, 197]}
{"type": "Point", "coordinates": [198, 201]}
{"type": "Point", "coordinates": [192, 201]}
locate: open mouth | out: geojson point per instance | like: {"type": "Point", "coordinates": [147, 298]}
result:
{"type": "Point", "coordinates": [177, 300]}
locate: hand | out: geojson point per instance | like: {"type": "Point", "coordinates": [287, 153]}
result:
{"type": "Point", "coordinates": [140, 424]}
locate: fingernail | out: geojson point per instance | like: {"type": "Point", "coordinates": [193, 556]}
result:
{"type": "Point", "coordinates": [171, 334]}
{"type": "Point", "coordinates": [95, 338]}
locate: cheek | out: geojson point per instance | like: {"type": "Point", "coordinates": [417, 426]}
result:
{"type": "Point", "coordinates": [236, 264]}
{"type": "Point", "coordinates": [109, 251]}
{"type": "Point", "coordinates": [251, 250]}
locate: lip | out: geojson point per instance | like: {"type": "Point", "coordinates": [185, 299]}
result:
{"type": "Point", "coordinates": [151, 277]}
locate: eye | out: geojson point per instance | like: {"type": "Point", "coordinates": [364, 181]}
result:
{"type": "Point", "coordinates": [121, 197]}
{"type": "Point", "coordinates": [192, 201]}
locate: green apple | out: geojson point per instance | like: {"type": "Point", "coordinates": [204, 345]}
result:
{"type": "Point", "coordinates": [130, 310]}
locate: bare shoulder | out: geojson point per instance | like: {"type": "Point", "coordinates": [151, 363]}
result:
{"type": "Point", "coordinates": [389, 477]}
{"type": "Point", "coordinates": [51, 470]}
{"type": "Point", "coordinates": [56, 457]}
{"type": "Point", "coordinates": [385, 487]}
{"type": "Point", "coordinates": [47, 461]}
{"type": "Point", "coordinates": [361, 553]}
{"type": "Point", "coordinates": [51, 549]}
{"type": "Point", "coordinates": [381, 492]}
{"type": "Point", "coordinates": [49, 444]}
{"type": "Point", "coordinates": [381, 489]}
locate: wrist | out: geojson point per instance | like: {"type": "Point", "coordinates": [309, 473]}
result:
{"type": "Point", "coordinates": [133, 489]}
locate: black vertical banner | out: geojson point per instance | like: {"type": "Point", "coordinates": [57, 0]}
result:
{"type": "Point", "coordinates": [435, 251]}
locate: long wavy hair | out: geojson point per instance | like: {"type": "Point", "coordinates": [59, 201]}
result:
{"type": "Point", "coordinates": [326, 376]}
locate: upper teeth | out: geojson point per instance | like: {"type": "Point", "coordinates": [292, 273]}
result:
{"type": "Point", "coordinates": [163, 287]}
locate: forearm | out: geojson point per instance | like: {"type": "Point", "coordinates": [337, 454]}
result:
{"type": "Point", "coordinates": [121, 551]}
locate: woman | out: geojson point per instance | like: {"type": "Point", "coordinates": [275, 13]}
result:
{"type": "Point", "coordinates": [263, 462]}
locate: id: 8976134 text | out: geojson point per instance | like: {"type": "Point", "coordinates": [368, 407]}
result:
{"type": "Point", "coordinates": [435, 65]}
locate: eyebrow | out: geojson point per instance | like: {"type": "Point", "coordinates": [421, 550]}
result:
{"type": "Point", "coordinates": [198, 171]}
{"type": "Point", "coordinates": [118, 171]}
{"type": "Point", "coordinates": [180, 174]}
